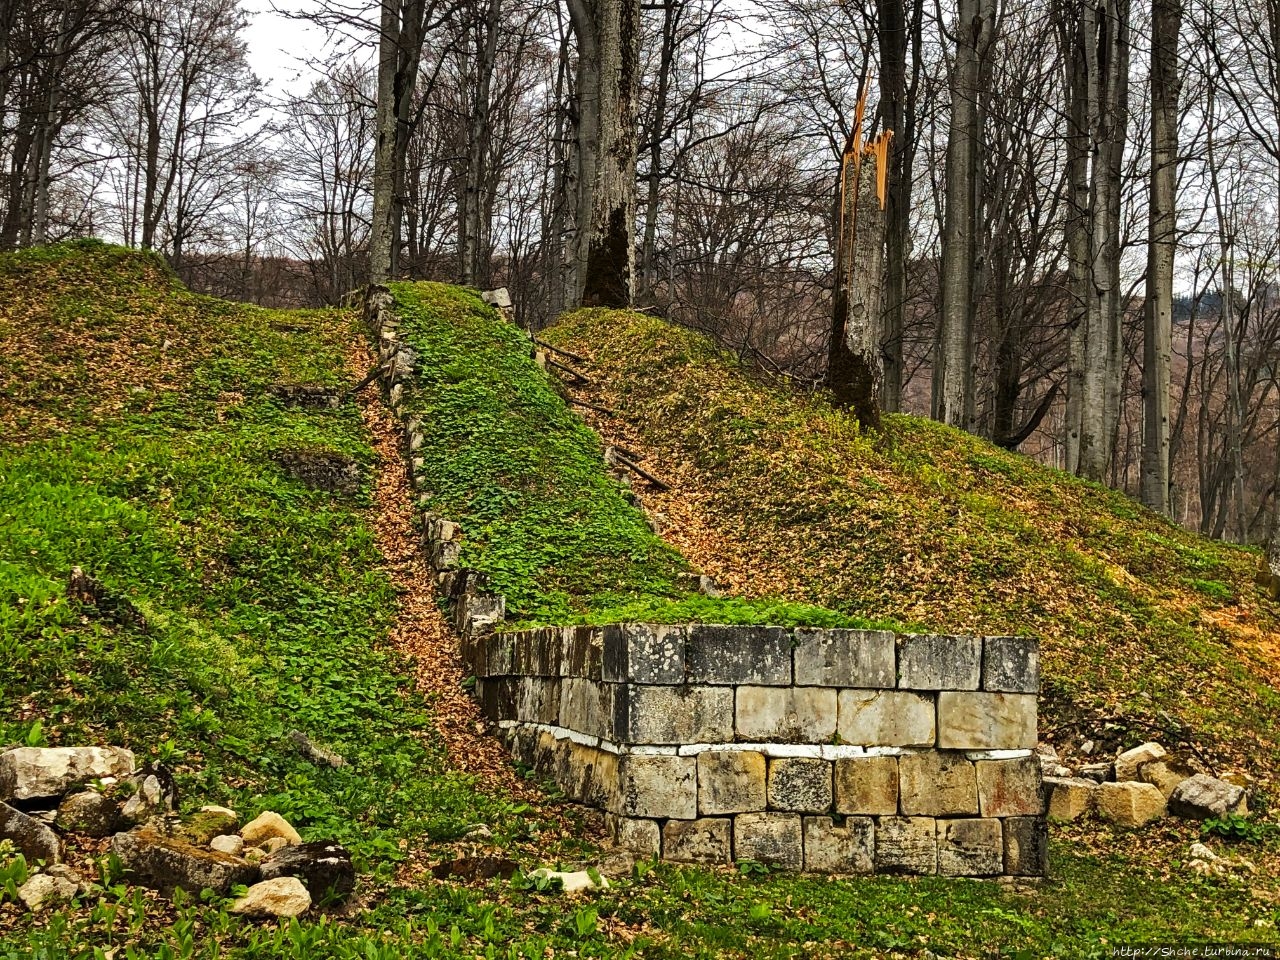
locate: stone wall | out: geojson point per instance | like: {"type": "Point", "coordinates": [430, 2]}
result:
{"type": "Point", "coordinates": [845, 751]}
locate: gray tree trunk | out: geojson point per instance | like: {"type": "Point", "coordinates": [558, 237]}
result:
{"type": "Point", "coordinates": [382, 229]}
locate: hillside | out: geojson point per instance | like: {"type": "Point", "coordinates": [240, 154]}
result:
{"type": "Point", "coordinates": [155, 438]}
{"type": "Point", "coordinates": [1148, 631]}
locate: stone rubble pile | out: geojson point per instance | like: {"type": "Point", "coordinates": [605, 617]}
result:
{"type": "Point", "coordinates": [1140, 786]}
{"type": "Point", "coordinates": [49, 793]}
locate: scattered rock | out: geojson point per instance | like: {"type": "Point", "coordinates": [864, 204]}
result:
{"type": "Point", "coordinates": [1088, 747]}
{"type": "Point", "coordinates": [267, 825]}
{"type": "Point", "coordinates": [479, 832]}
{"type": "Point", "coordinates": [1097, 772]}
{"type": "Point", "coordinates": [45, 890]}
{"type": "Point", "coordinates": [202, 827]}
{"type": "Point", "coordinates": [1128, 762]}
{"type": "Point", "coordinates": [35, 773]}
{"type": "Point", "coordinates": [311, 395]}
{"type": "Point", "coordinates": [325, 869]}
{"type": "Point", "coordinates": [89, 814]}
{"type": "Point", "coordinates": [274, 844]}
{"type": "Point", "coordinates": [227, 843]}
{"type": "Point", "coordinates": [499, 297]}
{"type": "Point", "coordinates": [476, 868]}
{"type": "Point", "coordinates": [1165, 773]}
{"type": "Point", "coordinates": [1130, 804]}
{"type": "Point", "coordinates": [1202, 796]}
{"type": "Point", "coordinates": [573, 882]}
{"type": "Point", "coordinates": [226, 811]}
{"type": "Point", "coordinates": [321, 469]}
{"type": "Point", "coordinates": [1047, 751]}
{"type": "Point", "coordinates": [1069, 797]}
{"type": "Point", "coordinates": [148, 802]}
{"type": "Point", "coordinates": [63, 872]}
{"type": "Point", "coordinates": [280, 897]}
{"type": "Point", "coordinates": [34, 840]}
{"type": "Point", "coordinates": [166, 863]}
{"type": "Point", "coordinates": [315, 752]}
{"type": "Point", "coordinates": [254, 855]}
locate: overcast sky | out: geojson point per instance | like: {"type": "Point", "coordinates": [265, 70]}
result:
{"type": "Point", "coordinates": [279, 47]}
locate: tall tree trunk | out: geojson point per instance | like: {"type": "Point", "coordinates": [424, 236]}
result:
{"type": "Point", "coordinates": [653, 181]}
{"type": "Point", "coordinates": [382, 229]}
{"type": "Point", "coordinates": [1157, 339]}
{"type": "Point", "coordinates": [472, 219]}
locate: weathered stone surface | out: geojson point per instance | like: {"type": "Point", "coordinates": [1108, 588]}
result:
{"type": "Point", "coordinates": [33, 773]}
{"type": "Point", "coordinates": [498, 297]}
{"type": "Point", "coordinates": [202, 827]}
{"type": "Point", "coordinates": [1166, 773]}
{"type": "Point", "coordinates": [867, 785]}
{"type": "Point", "coordinates": [986, 721]}
{"type": "Point", "coordinates": [789, 714]}
{"type": "Point", "coordinates": [592, 775]}
{"type": "Point", "coordinates": [1011, 665]}
{"type": "Point", "coordinates": [658, 787]}
{"type": "Point", "coordinates": [267, 825]}
{"type": "Point", "coordinates": [907, 845]}
{"type": "Point", "coordinates": [847, 848]}
{"type": "Point", "coordinates": [939, 662]}
{"type": "Point", "coordinates": [644, 653]}
{"type": "Point", "coordinates": [588, 707]}
{"type": "Point", "coordinates": [731, 781]}
{"type": "Point", "coordinates": [970, 848]}
{"type": "Point", "coordinates": [33, 839]}
{"type": "Point", "coordinates": [228, 843]}
{"type": "Point", "coordinates": [537, 700]}
{"type": "Point", "coordinates": [1129, 761]}
{"type": "Point", "coordinates": [1130, 804]}
{"type": "Point", "coordinates": [724, 654]}
{"type": "Point", "coordinates": [672, 715]}
{"type": "Point", "coordinates": [1010, 788]}
{"type": "Point", "coordinates": [800, 784]}
{"type": "Point", "coordinates": [935, 784]}
{"type": "Point", "coordinates": [1202, 796]}
{"type": "Point", "coordinates": [280, 897]}
{"type": "Point", "coordinates": [707, 840]}
{"type": "Point", "coordinates": [89, 814]}
{"type": "Point", "coordinates": [844, 658]}
{"type": "Point", "coordinates": [887, 718]}
{"type": "Point", "coordinates": [642, 837]}
{"type": "Point", "coordinates": [167, 864]}
{"type": "Point", "coordinates": [147, 802]}
{"type": "Point", "coordinates": [772, 838]}
{"type": "Point", "coordinates": [584, 652]}
{"type": "Point", "coordinates": [573, 881]}
{"type": "Point", "coordinates": [1069, 797]}
{"type": "Point", "coordinates": [325, 869]}
{"type": "Point", "coordinates": [44, 891]}
{"type": "Point", "coordinates": [537, 653]}
{"type": "Point", "coordinates": [1026, 847]}
{"type": "Point", "coordinates": [1097, 772]}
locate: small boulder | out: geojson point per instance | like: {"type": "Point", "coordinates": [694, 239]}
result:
{"type": "Point", "coordinates": [89, 814]}
{"type": "Point", "coordinates": [1097, 772]}
{"type": "Point", "coordinates": [274, 844]}
{"type": "Point", "coordinates": [1127, 763]}
{"type": "Point", "coordinates": [200, 828]}
{"type": "Point", "coordinates": [572, 882]}
{"type": "Point", "coordinates": [225, 811]}
{"type": "Point", "coordinates": [36, 773]}
{"type": "Point", "coordinates": [1069, 797]}
{"type": "Point", "coordinates": [254, 854]}
{"type": "Point", "coordinates": [499, 297]}
{"type": "Point", "coordinates": [34, 840]}
{"type": "Point", "coordinates": [280, 897]}
{"type": "Point", "coordinates": [227, 843]}
{"type": "Point", "coordinates": [1202, 796]}
{"type": "Point", "coordinates": [267, 825]}
{"type": "Point", "coordinates": [1130, 804]}
{"type": "Point", "coordinates": [147, 802]}
{"type": "Point", "coordinates": [1165, 773]}
{"type": "Point", "coordinates": [325, 869]}
{"type": "Point", "coordinates": [166, 863]}
{"type": "Point", "coordinates": [44, 890]}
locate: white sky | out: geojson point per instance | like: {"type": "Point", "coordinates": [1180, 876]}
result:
{"type": "Point", "coordinates": [279, 47]}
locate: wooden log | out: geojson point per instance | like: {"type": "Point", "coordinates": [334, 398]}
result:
{"type": "Point", "coordinates": [591, 406]}
{"type": "Point", "coordinates": [563, 353]}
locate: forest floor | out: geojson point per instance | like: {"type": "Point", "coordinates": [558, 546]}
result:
{"type": "Point", "coordinates": [140, 438]}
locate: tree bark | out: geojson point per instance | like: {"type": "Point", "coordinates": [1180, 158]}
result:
{"type": "Point", "coordinates": [382, 231]}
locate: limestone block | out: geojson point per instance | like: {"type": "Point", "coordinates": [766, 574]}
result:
{"type": "Point", "coordinates": [166, 864]}
{"type": "Point", "coordinates": [772, 838]}
{"type": "Point", "coordinates": [266, 825]}
{"type": "Point", "coordinates": [847, 848]}
{"type": "Point", "coordinates": [800, 784]}
{"type": "Point", "coordinates": [1026, 847]}
{"type": "Point", "coordinates": [907, 845]}
{"type": "Point", "coordinates": [731, 781]}
{"type": "Point", "coordinates": [644, 653]}
{"type": "Point", "coordinates": [643, 837]}
{"type": "Point", "coordinates": [1202, 796]}
{"type": "Point", "coordinates": [1166, 773]}
{"type": "Point", "coordinates": [1130, 804]}
{"type": "Point", "coordinates": [867, 785]}
{"type": "Point", "coordinates": [844, 658]}
{"type": "Point", "coordinates": [583, 652]}
{"type": "Point", "coordinates": [587, 706]}
{"type": "Point", "coordinates": [32, 838]}
{"type": "Point", "coordinates": [537, 700]}
{"type": "Point", "coordinates": [672, 715]}
{"type": "Point", "coordinates": [986, 721]}
{"type": "Point", "coordinates": [887, 718]}
{"type": "Point", "coordinates": [937, 784]}
{"type": "Point", "coordinates": [1127, 763]}
{"type": "Point", "coordinates": [970, 848]}
{"type": "Point", "coordinates": [1010, 665]}
{"type": "Point", "coordinates": [537, 652]}
{"type": "Point", "coordinates": [725, 654]}
{"type": "Point", "coordinates": [708, 840]}
{"type": "Point", "coordinates": [1010, 788]}
{"type": "Point", "coordinates": [32, 773]}
{"type": "Point", "coordinates": [589, 774]}
{"type": "Point", "coordinates": [939, 662]}
{"type": "Point", "coordinates": [1069, 797]}
{"type": "Point", "coordinates": [658, 787]}
{"type": "Point", "coordinates": [499, 656]}
{"type": "Point", "coordinates": [497, 696]}
{"type": "Point", "coordinates": [790, 714]}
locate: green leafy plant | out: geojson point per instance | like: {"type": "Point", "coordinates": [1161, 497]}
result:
{"type": "Point", "coordinates": [1238, 828]}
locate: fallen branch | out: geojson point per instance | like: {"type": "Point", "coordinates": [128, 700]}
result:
{"type": "Point", "coordinates": [563, 353]}
{"type": "Point", "coordinates": [569, 370]}
{"type": "Point", "coordinates": [369, 378]}
{"type": "Point", "coordinates": [614, 456]}
{"type": "Point", "coordinates": [591, 406]}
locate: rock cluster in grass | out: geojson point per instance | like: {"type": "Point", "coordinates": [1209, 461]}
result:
{"type": "Point", "coordinates": [51, 795]}
{"type": "Point", "coordinates": [1139, 786]}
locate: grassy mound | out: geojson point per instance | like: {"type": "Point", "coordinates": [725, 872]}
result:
{"type": "Point", "coordinates": [1148, 630]}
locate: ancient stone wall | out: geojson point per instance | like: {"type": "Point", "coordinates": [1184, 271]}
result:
{"type": "Point", "coordinates": [833, 750]}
